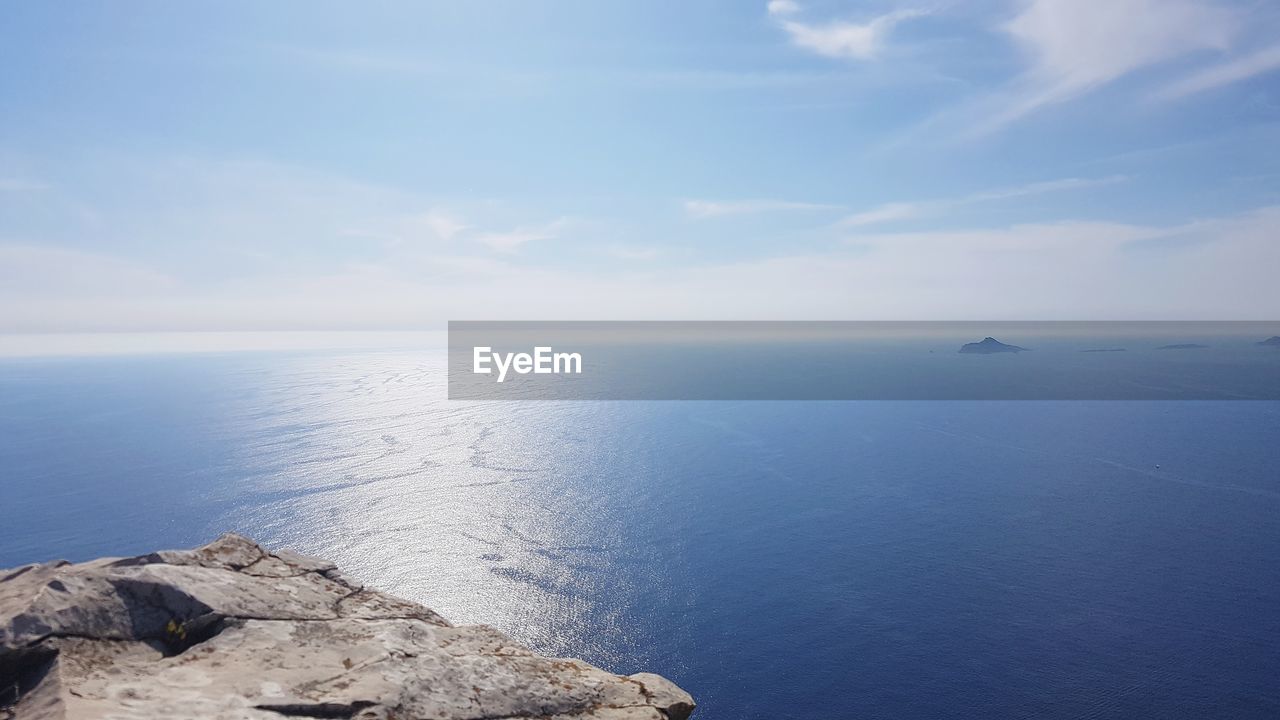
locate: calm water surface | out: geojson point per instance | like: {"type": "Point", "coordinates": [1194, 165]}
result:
{"type": "Point", "coordinates": [798, 560]}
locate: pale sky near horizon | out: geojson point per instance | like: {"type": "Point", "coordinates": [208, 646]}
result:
{"type": "Point", "coordinates": [390, 165]}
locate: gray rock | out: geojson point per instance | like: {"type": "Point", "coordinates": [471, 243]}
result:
{"type": "Point", "coordinates": [230, 631]}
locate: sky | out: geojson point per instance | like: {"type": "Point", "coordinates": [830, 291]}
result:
{"type": "Point", "coordinates": [239, 166]}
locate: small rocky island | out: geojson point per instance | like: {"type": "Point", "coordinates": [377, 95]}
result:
{"type": "Point", "coordinates": [989, 346]}
{"type": "Point", "coordinates": [1273, 341]}
{"type": "Point", "coordinates": [233, 632]}
{"type": "Point", "coordinates": [1183, 346]}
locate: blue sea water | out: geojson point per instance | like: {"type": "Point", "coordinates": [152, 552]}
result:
{"type": "Point", "coordinates": [777, 559]}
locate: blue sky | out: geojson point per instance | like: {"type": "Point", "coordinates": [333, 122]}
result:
{"type": "Point", "coordinates": [290, 165]}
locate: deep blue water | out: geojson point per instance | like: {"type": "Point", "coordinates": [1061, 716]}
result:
{"type": "Point", "coordinates": [800, 560]}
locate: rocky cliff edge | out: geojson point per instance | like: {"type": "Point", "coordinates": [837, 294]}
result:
{"type": "Point", "coordinates": [232, 631]}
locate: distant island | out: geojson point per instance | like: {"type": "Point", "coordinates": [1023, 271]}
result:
{"type": "Point", "coordinates": [1273, 341]}
{"type": "Point", "coordinates": [1183, 346]}
{"type": "Point", "coordinates": [989, 346]}
{"type": "Point", "coordinates": [1106, 350]}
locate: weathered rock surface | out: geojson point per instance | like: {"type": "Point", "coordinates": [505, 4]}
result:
{"type": "Point", "coordinates": [231, 631]}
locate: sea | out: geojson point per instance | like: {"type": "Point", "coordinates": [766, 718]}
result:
{"type": "Point", "coordinates": [781, 559]}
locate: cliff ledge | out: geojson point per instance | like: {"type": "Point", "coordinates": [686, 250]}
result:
{"type": "Point", "coordinates": [231, 631]}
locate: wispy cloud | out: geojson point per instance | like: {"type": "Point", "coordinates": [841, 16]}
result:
{"type": "Point", "coordinates": [633, 253]}
{"type": "Point", "coordinates": [1070, 49]}
{"type": "Point", "coordinates": [446, 230]}
{"type": "Point", "coordinates": [839, 38]}
{"type": "Point", "coordinates": [1046, 186]}
{"type": "Point", "coordinates": [712, 208]}
{"type": "Point", "coordinates": [512, 240]}
{"type": "Point", "coordinates": [889, 212]}
{"type": "Point", "coordinates": [1074, 269]}
{"type": "Point", "coordinates": [896, 211]}
{"type": "Point", "coordinates": [1258, 63]}
{"type": "Point", "coordinates": [1060, 270]}
{"type": "Point", "coordinates": [783, 7]}
{"type": "Point", "coordinates": [1077, 46]}
{"type": "Point", "coordinates": [443, 225]}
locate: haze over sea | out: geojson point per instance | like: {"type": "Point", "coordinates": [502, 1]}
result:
{"type": "Point", "coordinates": [776, 559]}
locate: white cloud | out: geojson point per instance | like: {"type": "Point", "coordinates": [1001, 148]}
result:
{"type": "Point", "coordinates": [1077, 46]}
{"type": "Point", "coordinates": [783, 7]}
{"type": "Point", "coordinates": [171, 255]}
{"type": "Point", "coordinates": [512, 240]}
{"type": "Point", "coordinates": [839, 38]}
{"type": "Point", "coordinates": [1233, 71]}
{"type": "Point", "coordinates": [1215, 269]}
{"type": "Point", "coordinates": [443, 225]}
{"type": "Point", "coordinates": [882, 214]}
{"type": "Point", "coordinates": [1072, 48]}
{"type": "Point", "coordinates": [633, 252]}
{"type": "Point", "coordinates": [907, 210]}
{"type": "Point", "coordinates": [1045, 186]}
{"type": "Point", "coordinates": [438, 229]}
{"type": "Point", "coordinates": [1083, 237]}
{"type": "Point", "coordinates": [713, 208]}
